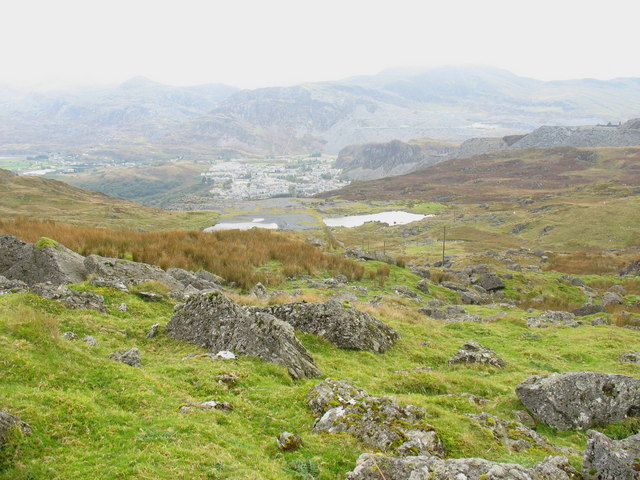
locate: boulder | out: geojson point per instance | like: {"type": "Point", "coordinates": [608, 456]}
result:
{"type": "Point", "coordinates": [109, 283]}
{"type": "Point", "coordinates": [552, 318]}
{"type": "Point", "coordinates": [607, 459]}
{"type": "Point", "coordinates": [612, 298]}
{"type": "Point", "coordinates": [633, 269]}
{"type": "Point", "coordinates": [421, 271]}
{"type": "Point", "coordinates": [70, 298]}
{"type": "Point", "coordinates": [344, 326]}
{"type": "Point", "coordinates": [376, 467]}
{"type": "Point", "coordinates": [214, 321]}
{"type": "Point", "coordinates": [128, 272]}
{"type": "Point", "coordinates": [588, 309]}
{"type": "Point", "coordinates": [259, 290]}
{"type": "Point", "coordinates": [153, 331]}
{"type": "Point", "coordinates": [9, 422]}
{"type": "Point", "coordinates": [378, 422]}
{"type": "Point", "coordinates": [580, 400]}
{"type": "Point", "coordinates": [469, 297]}
{"type": "Point", "coordinates": [423, 286]}
{"type": "Point", "coordinates": [289, 442]}
{"type": "Point", "coordinates": [473, 352]}
{"type": "Point", "coordinates": [31, 263]}
{"type": "Point", "coordinates": [404, 291]}
{"type": "Point", "coordinates": [199, 280]}
{"type": "Point", "coordinates": [490, 282]}
{"type": "Point", "coordinates": [12, 286]}
{"type": "Point", "coordinates": [631, 357]}
{"type": "Point", "coordinates": [130, 357]}
{"type": "Point", "coordinates": [150, 296]}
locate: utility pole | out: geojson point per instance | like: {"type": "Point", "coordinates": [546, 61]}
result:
{"type": "Point", "coordinates": [444, 241]}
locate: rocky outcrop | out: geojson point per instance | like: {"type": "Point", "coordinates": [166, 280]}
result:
{"type": "Point", "coordinates": [449, 313]}
{"type": "Point", "coordinates": [7, 423]}
{"type": "Point", "coordinates": [580, 400]}
{"type": "Point", "coordinates": [128, 272]}
{"type": "Point", "coordinates": [214, 321]}
{"type": "Point", "coordinates": [343, 325]}
{"type": "Point", "coordinates": [473, 352]}
{"type": "Point", "coordinates": [70, 298]}
{"type": "Point", "coordinates": [551, 318]}
{"type": "Point", "coordinates": [607, 459]}
{"type": "Point", "coordinates": [12, 286]}
{"type": "Point", "coordinates": [375, 467]}
{"type": "Point", "coordinates": [378, 422]}
{"type": "Point", "coordinates": [31, 263]}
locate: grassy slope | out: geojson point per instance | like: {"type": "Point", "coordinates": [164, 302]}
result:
{"type": "Point", "coordinates": [53, 200]}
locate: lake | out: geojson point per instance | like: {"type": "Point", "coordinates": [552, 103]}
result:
{"type": "Point", "coordinates": [395, 217]}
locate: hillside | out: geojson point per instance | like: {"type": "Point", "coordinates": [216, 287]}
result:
{"type": "Point", "coordinates": [49, 199]}
{"type": "Point", "coordinates": [142, 119]}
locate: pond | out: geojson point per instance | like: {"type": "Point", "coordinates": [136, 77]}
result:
{"type": "Point", "coordinates": [395, 217]}
{"type": "Point", "coordinates": [255, 223]}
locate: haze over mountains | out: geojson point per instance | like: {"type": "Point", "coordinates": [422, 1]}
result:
{"type": "Point", "coordinates": [141, 118]}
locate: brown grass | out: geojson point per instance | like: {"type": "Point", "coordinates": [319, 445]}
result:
{"type": "Point", "coordinates": [585, 263]}
{"type": "Point", "coordinates": [234, 255]}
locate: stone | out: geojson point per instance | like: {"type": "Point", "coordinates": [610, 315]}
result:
{"type": "Point", "coordinates": [89, 340]}
{"type": "Point", "coordinates": [7, 423]}
{"type": "Point", "coordinates": [469, 297]}
{"type": "Point", "coordinates": [551, 318]}
{"type": "Point", "coordinates": [423, 272]}
{"type": "Point", "coordinates": [404, 291]}
{"type": "Point", "coordinates": [580, 400]}
{"type": "Point", "coordinates": [214, 321]}
{"type": "Point", "coordinates": [109, 283]}
{"type": "Point", "coordinates": [473, 352]}
{"type": "Point", "coordinates": [228, 379]}
{"type": "Point", "coordinates": [344, 326]}
{"type": "Point", "coordinates": [208, 405]}
{"type": "Point", "coordinates": [423, 286]}
{"type": "Point", "coordinates": [31, 263]}
{"type": "Point", "coordinates": [490, 282]}
{"type": "Point", "coordinates": [524, 417]}
{"type": "Point", "coordinates": [70, 298]}
{"type": "Point", "coordinates": [150, 296]}
{"type": "Point", "coordinates": [130, 357]}
{"type": "Point", "coordinates": [198, 281]}
{"type": "Point", "coordinates": [123, 307]}
{"type": "Point", "coordinates": [12, 286]}
{"type": "Point", "coordinates": [612, 298]}
{"type": "Point", "coordinates": [607, 459]}
{"type": "Point", "coordinates": [128, 272]}
{"type": "Point", "coordinates": [588, 309]}
{"type": "Point", "coordinates": [69, 336]}
{"type": "Point", "coordinates": [575, 281]}
{"type": "Point", "coordinates": [225, 355]}
{"type": "Point", "coordinates": [376, 467]}
{"type": "Point", "coordinates": [617, 289]}
{"type": "Point", "coordinates": [289, 442]}
{"type": "Point", "coordinates": [378, 422]}
{"type": "Point", "coordinates": [631, 357]}
{"type": "Point", "coordinates": [632, 270]}
{"type": "Point", "coordinates": [153, 331]}
{"type": "Point", "coordinates": [458, 287]}
{"type": "Point", "coordinates": [259, 290]}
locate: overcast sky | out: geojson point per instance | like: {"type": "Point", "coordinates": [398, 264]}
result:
{"type": "Point", "coordinates": [254, 43]}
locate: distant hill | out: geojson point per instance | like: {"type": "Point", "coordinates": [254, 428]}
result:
{"type": "Point", "coordinates": [372, 161]}
{"type": "Point", "coordinates": [507, 176]}
{"type": "Point", "coordinates": [47, 199]}
{"type": "Point", "coordinates": [141, 118]}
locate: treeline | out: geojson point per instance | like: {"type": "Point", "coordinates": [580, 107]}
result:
{"type": "Point", "coordinates": [244, 257]}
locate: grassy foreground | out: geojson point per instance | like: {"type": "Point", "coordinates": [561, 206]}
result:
{"type": "Point", "coordinates": [95, 418]}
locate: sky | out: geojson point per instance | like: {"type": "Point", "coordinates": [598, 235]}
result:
{"type": "Point", "coordinates": [257, 43]}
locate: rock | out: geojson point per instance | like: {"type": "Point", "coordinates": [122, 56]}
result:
{"type": "Point", "coordinates": [228, 379]}
{"type": "Point", "coordinates": [469, 297]}
{"type": "Point", "coordinates": [631, 357]}
{"type": "Point", "coordinates": [9, 422]}
{"type": "Point", "coordinates": [612, 298]}
{"type": "Point", "coordinates": [216, 322]}
{"type": "Point", "coordinates": [490, 282]}
{"type": "Point", "coordinates": [259, 290]}
{"type": "Point", "coordinates": [31, 263]}
{"type": "Point", "coordinates": [404, 291]}
{"type": "Point", "coordinates": [70, 298]}
{"type": "Point", "coordinates": [378, 422]}
{"type": "Point", "coordinates": [376, 467]}
{"type": "Point", "coordinates": [575, 281]}
{"type": "Point", "coordinates": [225, 355]}
{"type": "Point", "coordinates": [208, 405]}
{"type": "Point", "coordinates": [524, 418]}
{"type": "Point", "coordinates": [514, 435]}
{"type": "Point", "coordinates": [109, 283]}
{"type": "Point", "coordinates": [617, 289]}
{"type": "Point", "coordinates": [89, 340]}
{"type": "Point", "coordinates": [344, 326]}
{"type": "Point", "coordinates": [342, 297]}
{"type": "Point", "coordinates": [580, 400]}
{"type": "Point", "coordinates": [153, 331]}
{"type": "Point", "coordinates": [123, 307]}
{"type": "Point", "coordinates": [423, 286]}
{"type": "Point", "coordinates": [340, 278]}
{"type": "Point", "coordinates": [128, 272]}
{"type": "Point", "coordinates": [552, 318]}
{"type": "Point", "coordinates": [458, 287]}
{"type": "Point", "coordinates": [607, 459]}
{"type": "Point", "coordinates": [200, 280]}
{"type": "Point", "coordinates": [473, 352]}
{"type": "Point", "coordinates": [150, 296]}
{"type": "Point", "coordinates": [632, 270]}
{"type": "Point", "coordinates": [600, 321]}
{"type": "Point", "coordinates": [130, 357]}
{"type": "Point", "coordinates": [588, 309]}
{"type": "Point", "coordinates": [423, 272]}
{"type": "Point", "coordinates": [289, 442]}
{"type": "Point", "coordinates": [12, 286]}
{"type": "Point", "coordinates": [69, 336]}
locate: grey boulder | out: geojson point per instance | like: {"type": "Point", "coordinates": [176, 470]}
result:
{"type": "Point", "coordinates": [344, 326]}
{"type": "Point", "coordinates": [214, 321]}
{"type": "Point", "coordinates": [130, 357]}
{"type": "Point", "coordinates": [607, 459]}
{"type": "Point", "coordinates": [473, 352]}
{"type": "Point", "coordinates": [70, 298]}
{"type": "Point", "coordinates": [580, 400]}
{"type": "Point", "coordinates": [9, 422]}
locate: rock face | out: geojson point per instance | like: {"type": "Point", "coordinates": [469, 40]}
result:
{"type": "Point", "coordinates": [31, 263]}
{"type": "Point", "coordinates": [7, 422]}
{"type": "Point", "coordinates": [375, 467]}
{"type": "Point", "coordinates": [580, 399]}
{"type": "Point", "coordinates": [213, 321]}
{"type": "Point", "coordinates": [344, 326]}
{"type": "Point", "coordinates": [606, 459]}
{"type": "Point", "coordinates": [378, 422]}
{"type": "Point", "coordinates": [473, 352]}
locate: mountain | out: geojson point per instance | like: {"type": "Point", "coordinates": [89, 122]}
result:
{"type": "Point", "coordinates": [372, 161]}
{"type": "Point", "coordinates": [141, 118]}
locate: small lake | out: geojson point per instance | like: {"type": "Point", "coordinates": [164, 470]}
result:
{"type": "Point", "coordinates": [255, 223]}
{"type": "Point", "coordinates": [395, 217]}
